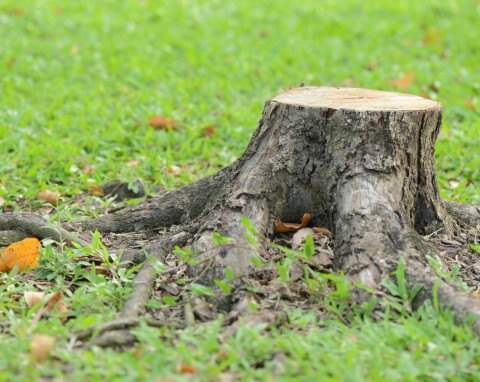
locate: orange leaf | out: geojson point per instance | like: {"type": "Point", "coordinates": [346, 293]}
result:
{"type": "Point", "coordinates": [403, 83]}
{"type": "Point", "coordinates": [23, 254]}
{"type": "Point", "coordinates": [49, 197]}
{"type": "Point", "coordinates": [281, 227]}
{"type": "Point", "coordinates": [161, 123]}
{"type": "Point", "coordinates": [187, 369]}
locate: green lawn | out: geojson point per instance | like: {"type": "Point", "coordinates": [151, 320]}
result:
{"type": "Point", "coordinates": [79, 82]}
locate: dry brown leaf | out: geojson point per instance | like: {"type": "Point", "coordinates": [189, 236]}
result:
{"type": "Point", "coordinates": [133, 163]}
{"type": "Point", "coordinates": [453, 184]}
{"type": "Point", "coordinates": [299, 237]}
{"type": "Point", "coordinates": [41, 346]}
{"type": "Point", "coordinates": [209, 131]}
{"type": "Point", "coordinates": [161, 123]}
{"type": "Point", "coordinates": [187, 369]}
{"type": "Point", "coordinates": [99, 270]}
{"type": "Point", "coordinates": [372, 65]}
{"type": "Point", "coordinates": [23, 254]}
{"type": "Point", "coordinates": [49, 196]}
{"type": "Point", "coordinates": [56, 303]}
{"type": "Point", "coordinates": [17, 12]}
{"type": "Point", "coordinates": [174, 170]}
{"type": "Point", "coordinates": [33, 298]}
{"type": "Point", "coordinates": [96, 191]}
{"type": "Point", "coordinates": [87, 169]}
{"type": "Point", "coordinates": [281, 227]}
{"type": "Point", "coordinates": [323, 231]}
{"type": "Point", "coordinates": [403, 83]}
{"type": "Point", "coordinates": [432, 37]}
{"type": "Point", "coordinates": [469, 103]}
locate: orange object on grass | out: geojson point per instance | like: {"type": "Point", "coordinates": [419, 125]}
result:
{"type": "Point", "coordinates": [23, 254]}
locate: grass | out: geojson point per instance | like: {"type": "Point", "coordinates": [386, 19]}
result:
{"type": "Point", "coordinates": [78, 84]}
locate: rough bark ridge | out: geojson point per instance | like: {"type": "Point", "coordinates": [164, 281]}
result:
{"type": "Point", "coordinates": [360, 161]}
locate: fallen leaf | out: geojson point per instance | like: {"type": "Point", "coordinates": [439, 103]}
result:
{"type": "Point", "coordinates": [49, 196]}
{"type": "Point", "coordinates": [403, 83]}
{"type": "Point", "coordinates": [96, 191]}
{"type": "Point", "coordinates": [87, 169]}
{"type": "Point", "coordinates": [432, 37]}
{"type": "Point", "coordinates": [174, 170]}
{"type": "Point", "coordinates": [323, 231]}
{"type": "Point", "coordinates": [17, 12]}
{"type": "Point", "coordinates": [133, 163]}
{"type": "Point", "coordinates": [56, 303]}
{"type": "Point", "coordinates": [41, 346]}
{"type": "Point", "coordinates": [99, 270]}
{"type": "Point", "coordinates": [161, 123]}
{"type": "Point", "coordinates": [469, 103]}
{"type": "Point", "coordinates": [299, 237]}
{"type": "Point", "coordinates": [453, 184]}
{"type": "Point", "coordinates": [372, 65]}
{"type": "Point", "coordinates": [23, 254]}
{"type": "Point", "coordinates": [209, 131]}
{"type": "Point", "coordinates": [187, 369]}
{"type": "Point", "coordinates": [33, 298]}
{"type": "Point", "coordinates": [281, 227]}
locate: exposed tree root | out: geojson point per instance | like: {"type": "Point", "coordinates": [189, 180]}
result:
{"type": "Point", "coordinates": [27, 224]}
{"type": "Point", "coordinates": [116, 332]}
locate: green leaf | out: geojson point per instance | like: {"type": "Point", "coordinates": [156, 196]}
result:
{"type": "Point", "coordinates": [169, 300]}
{"type": "Point", "coordinates": [476, 248]}
{"type": "Point", "coordinates": [225, 288]}
{"type": "Point", "coordinates": [229, 274]}
{"type": "Point", "coordinates": [219, 240]}
{"type": "Point", "coordinates": [201, 290]}
{"type": "Point", "coordinates": [309, 247]}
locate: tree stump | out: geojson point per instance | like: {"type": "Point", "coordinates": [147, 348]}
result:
{"type": "Point", "coordinates": [361, 162]}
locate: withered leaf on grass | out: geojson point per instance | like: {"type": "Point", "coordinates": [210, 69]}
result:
{"type": "Point", "coordinates": [161, 123]}
{"type": "Point", "coordinates": [96, 191]}
{"type": "Point", "coordinates": [49, 196]}
{"type": "Point", "coordinates": [432, 37]}
{"type": "Point", "coordinates": [41, 346]}
{"type": "Point", "coordinates": [403, 83]}
{"type": "Point", "coordinates": [209, 131]}
{"type": "Point", "coordinates": [323, 231]}
{"type": "Point", "coordinates": [33, 298]}
{"type": "Point", "coordinates": [469, 103]}
{"type": "Point", "coordinates": [56, 303]}
{"type": "Point", "coordinates": [174, 170]}
{"type": "Point", "coordinates": [23, 254]}
{"type": "Point", "coordinates": [187, 369]}
{"type": "Point", "coordinates": [281, 227]}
